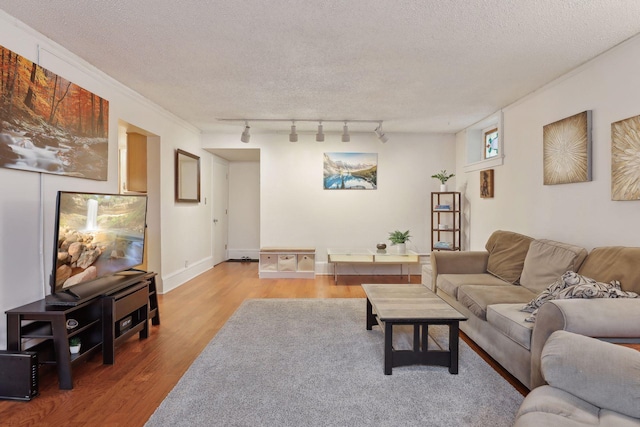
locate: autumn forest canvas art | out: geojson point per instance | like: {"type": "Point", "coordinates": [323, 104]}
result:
{"type": "Point", "coordinates": [48, 124]}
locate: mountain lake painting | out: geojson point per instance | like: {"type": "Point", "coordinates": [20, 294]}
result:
{"type": "Point", "coordinates": [350, 171]}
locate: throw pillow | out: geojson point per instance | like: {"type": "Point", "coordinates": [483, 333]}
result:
{"type": "Point", "coordinates": [546, 295]}
{"type": "Point", "coordinates": [507, 251]}
{"type": "Point", "coordinates": [573, 285]}
{"type": "Point", "coordinates": [547, 260]}
{"type": "Point", "coordinates": [614, 263]}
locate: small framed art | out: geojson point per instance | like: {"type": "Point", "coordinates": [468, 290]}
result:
{"type": "Point", "coordinates": [486, 184]}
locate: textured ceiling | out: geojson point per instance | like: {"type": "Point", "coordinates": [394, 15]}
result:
{"type": "Point", "coordinates": [421, 66]}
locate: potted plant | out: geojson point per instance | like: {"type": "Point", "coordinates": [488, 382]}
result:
{"type": "Point", "coordinates": [74, 345]}
{"type": "Point", "coordinates": [399, 239]}
{"type": "Point", "coordinates": [443, 177]}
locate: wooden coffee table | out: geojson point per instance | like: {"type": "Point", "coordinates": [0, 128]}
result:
{"type": "Point", "coordinates": [403, 304]}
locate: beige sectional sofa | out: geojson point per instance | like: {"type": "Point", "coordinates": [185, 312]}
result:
{"type": "Point", "coordinates": [590, 383]}
{"type": "Point", "coordinates": [492, 286]}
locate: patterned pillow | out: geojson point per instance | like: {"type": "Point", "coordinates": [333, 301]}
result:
{"type": "Point", "coordinates": [572, 285]}
{"type": "Point", "coordinates": [546, 295]}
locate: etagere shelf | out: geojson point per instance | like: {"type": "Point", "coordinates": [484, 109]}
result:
{"type": "Point", "coordinates": [446, 224]}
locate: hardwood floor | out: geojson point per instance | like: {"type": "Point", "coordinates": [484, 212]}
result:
{"type": "Point", "coordinates": [128, 392]}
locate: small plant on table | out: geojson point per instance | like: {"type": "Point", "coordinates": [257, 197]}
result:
{"type": "Point", "coordinates": [397, 237]}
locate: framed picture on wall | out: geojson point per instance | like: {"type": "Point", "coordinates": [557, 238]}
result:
{"type": "Point", "coordinates": [350, 171]}
{"type": "Point", "coordinates": [49, 124]}
{"type": "Point", "coordinates": [567, 150]}
{"type": "Point", "coordinates": [625, 159]}
{"type": "Point", "coordinates": [486, 184]}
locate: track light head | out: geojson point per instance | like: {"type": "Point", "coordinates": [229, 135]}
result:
{"type": "Point", "coordinates": [320, 134]}
{"type": "Point", "coordinates": [245, 137]}
{"type": "Point", "coordinates": [380, 134]}
{"type": "Point", "coordinates": [293, 136]}
{"type": "Point", "coordinates": [345, 133]}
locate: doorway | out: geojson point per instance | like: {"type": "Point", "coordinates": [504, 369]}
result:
{"type": "Point", "coordinates": [139, 173]}
{"type": "Point", "coordinates": [236, 204]}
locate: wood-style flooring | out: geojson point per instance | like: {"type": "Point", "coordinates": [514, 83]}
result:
{"type": "Point", "coordinates": [128, 392]}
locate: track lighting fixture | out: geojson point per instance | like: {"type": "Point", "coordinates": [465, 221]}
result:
{"type": "Point", "coordinates": [245, 134]}
{"type": "Point", "coordinates": [320, 134]}
{"type": "Point", "coordinates": [345, 133]}
{"type": "Point", "coordinates": [293, 136]}
{"type": "Point", "coordinates": [380, 133]}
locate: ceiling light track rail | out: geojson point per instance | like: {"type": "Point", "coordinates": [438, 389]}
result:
{"type": "Point", "coordinates": [293, 136]}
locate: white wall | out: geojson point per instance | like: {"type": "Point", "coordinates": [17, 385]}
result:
{"type": "Point", "coordinates": [580, 213]}
{"type": "Point", "coordinates": [27, 199]}
{"type": "Point", "coordinates": [244, 209]}
{"type": "Point", "coordinates": [296, 211]}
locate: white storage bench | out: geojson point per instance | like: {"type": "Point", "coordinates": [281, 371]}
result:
{"type": "Point", "coordinates": [297, 263]}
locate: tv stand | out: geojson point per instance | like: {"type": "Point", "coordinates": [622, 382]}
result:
{"type": "Point", "coordinates": [101, 324]}
{"type": "Point", "coordinates": [124, 314]}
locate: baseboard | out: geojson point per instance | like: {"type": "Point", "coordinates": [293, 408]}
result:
{"type": "Point", "coordinates": [178, 278]}
{"type": "Point", "coordinates": [241, 253]}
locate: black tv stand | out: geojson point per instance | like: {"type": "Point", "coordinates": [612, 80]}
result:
{"type": "Point", "coordinates": [102, 321]}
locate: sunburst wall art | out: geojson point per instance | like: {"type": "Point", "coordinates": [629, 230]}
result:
{"type": "Point", "coordinates": [567, 150]}
{"type": "Point", "coordinates": [625, 159]}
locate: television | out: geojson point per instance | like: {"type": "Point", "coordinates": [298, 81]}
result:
{"type": "Point", "coordinates": [98, 240]}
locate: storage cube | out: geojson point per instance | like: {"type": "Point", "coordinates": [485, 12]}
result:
{"type": "Point", "coordinates": [306, 262]}
{"type": "Point", "coordinates": [268, 262]}
{"type": "Point", "coordinates": [286, 263]}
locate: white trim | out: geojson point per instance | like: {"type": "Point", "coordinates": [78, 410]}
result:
{"type": "Point", "coordinates": [180, 277]}
{"type": "Point", "coordinates": [484, 164]}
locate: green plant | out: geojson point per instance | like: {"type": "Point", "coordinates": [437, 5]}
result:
{"type": "Point", "coordinates": [74, 341]}
{"type": "Point", "coordinates": [399, 237]}
{"type": "Point", "coordinates": [443, 176]}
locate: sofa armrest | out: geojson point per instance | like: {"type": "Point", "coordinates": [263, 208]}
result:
{"type": "Point", "coordinates": [467, 262]}
{"type": "Point", "coordinates": [599, 318]}
{"type": "Point", "coordinates": [601, 373]}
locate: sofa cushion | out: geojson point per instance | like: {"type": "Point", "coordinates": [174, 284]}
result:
{"type": "Point", "coordinates": [507, 251]}
{"type": "Point", "coordinates": [449, 283]}
{"type": "Point", "coordinates": [510, 320]}
{"type": "Point", "coordinates": [614, 263]}
{"type": "Point", "coordinates": [547, 260]}
{"type": "Point", "coordinates": [477, 298]}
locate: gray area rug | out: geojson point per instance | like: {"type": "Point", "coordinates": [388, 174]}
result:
{"type": "Point", "coordinates": [311, 362]}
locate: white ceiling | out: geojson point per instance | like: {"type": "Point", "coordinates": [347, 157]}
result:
{"type": "Point", "coordinates": [421, 66]}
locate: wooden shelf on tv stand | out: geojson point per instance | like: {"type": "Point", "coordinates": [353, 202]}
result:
{"type": "Point", "coordinates": [42, 327]}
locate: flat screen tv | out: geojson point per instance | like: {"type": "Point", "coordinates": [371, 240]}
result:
{"type": "Point", "coordinates": [97, 236]}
